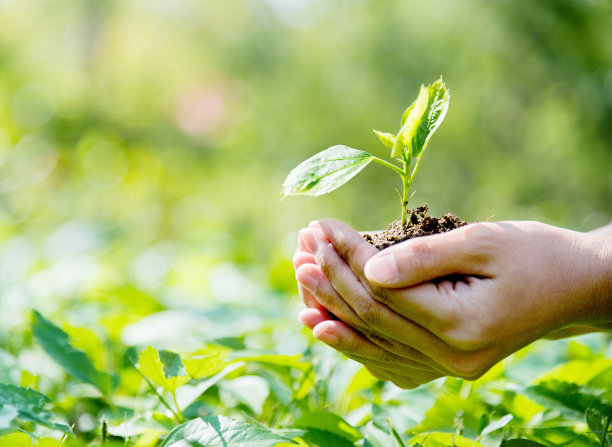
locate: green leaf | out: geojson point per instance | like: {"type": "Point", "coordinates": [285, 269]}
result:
{"type": "Point", "coordinates": [79, 365]}
{"type": "Point", "coordinates": [16, 440]}
{"type": "Point", "coordinates": [330, 422]}
{"type": "Point", "coordinates": [290, 361]}
{"type": "Point", "coordinates": [496, 425]}
{"type": "Point", "coordinates": [221, 431]}
{"type": "Point", "coordinates": [571, 396]}
{"type": "Point", "coordinates": [320, 438]}
{"type": "Point", "coordinates": [171, 363]}
{"type": "Point", "coordinates": [444, 440]}
{"type": "Point", "coordinates": [410, 121]}
{"type": "Point", "coordinates": [388, 139]}
{"type": "Point", "coordinates": [598, 423]}
{"type": "Point", "coordinates": [29, 405]}
{"type": "Point", "coordinates": [376, 437]}
{"type": "Point", "coordinates": [437, 106]}
{"type": "Point", "coordinates": [520, 443]}
{"type": "Point", "coordinates": [166, 373]}
{"type": "Point", "coordinates": [395, 434]}
{"type": "Point", "coordinates": [325, 171]}
{"type": "Point", "coordinates": [206, 362]}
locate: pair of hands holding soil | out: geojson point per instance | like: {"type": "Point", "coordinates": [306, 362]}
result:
{"type": "Point", "coordinates": [454, 303]}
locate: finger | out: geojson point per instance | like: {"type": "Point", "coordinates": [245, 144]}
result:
{"type": "Point", "coordinates": [354, 345]}
{"type": "Point", "coordinates": [311, 317]}
{"type": "Point", "coordinates": [349, 244]}
{"type": "Point", "coordinates": [409, 380]}
{"type": "Point", "coordinates": [308, 298]}
{"type": "Point", "coordinates": [338, 289]}
{"type": "Point", "coordinates": [435, 305]}
{"type": "Point", "coordinates": [463, 251]}
{"type": "Point", "coordinates": [306, 241]}
{"type": "Point", "coordinates": [302, 257]}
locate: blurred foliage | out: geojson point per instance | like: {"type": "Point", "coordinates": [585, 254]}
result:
{"type": "Point", "coordinates": [142, 149]}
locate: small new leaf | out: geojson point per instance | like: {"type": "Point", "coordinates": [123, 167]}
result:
{"type": "Point", "coordinates": [388, 139]}
{"type": "Point", "coordinates": [325, 171]}
{"type": "Point", "coordinates": [411, 122]}
{"type": "Point", "coordinates": [437, 106]}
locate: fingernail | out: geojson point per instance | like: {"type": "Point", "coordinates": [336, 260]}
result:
{"type": "Point", "coordinates": [327, 337]}
{"type": "Point", "coordinates": [382, 269]}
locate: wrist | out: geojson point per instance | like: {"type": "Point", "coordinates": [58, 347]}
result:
{"type": "Point", "coordinates": [592, 253]}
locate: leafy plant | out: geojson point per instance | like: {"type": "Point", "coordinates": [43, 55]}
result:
{"type": "Point", "coordinates": [333, 167]}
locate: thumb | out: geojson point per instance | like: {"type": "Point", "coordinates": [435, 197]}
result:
{"type": "Point", "coordinates": [428, 257]}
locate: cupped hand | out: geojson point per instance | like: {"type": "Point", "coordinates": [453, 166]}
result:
{"type": "Point", "coordinates": [454, 303]}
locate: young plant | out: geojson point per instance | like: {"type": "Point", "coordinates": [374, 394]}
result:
{"type": "Point", "coordinates": [336, 165]}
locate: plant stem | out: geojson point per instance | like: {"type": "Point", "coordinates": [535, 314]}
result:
{"type": "Point", "coordinates": [416, 167]}
{"type": "Point", "coordinates": [389, 165]}
{"type": "Point", "coordinates": [406, 182]}
{"type": "Point", "coordinates": [179, 414]}
{"type": "Point", "coordinates": [159, 396]}
{"type": "Point", "coordinates": [605, 432]}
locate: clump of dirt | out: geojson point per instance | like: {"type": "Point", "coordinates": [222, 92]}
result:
{"type": "Point", "coordinates": [419, 224]}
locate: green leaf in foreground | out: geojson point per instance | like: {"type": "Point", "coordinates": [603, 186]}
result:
{"type": "Point", "coordinates": [496, 425]}
{"type": "Point", "coordinates": [571, 396]}
{"type": "Point", "coordinates": [77, 363]}
{"type": "Point", "coordinates": [520, 443]}
{"type": "Point", "coordinates": [329, 422]}
{"type": "Point", "coordinates": [171, 363]}
{"type": "Point", "coordinates": [164, 368]}
{"type": "Point", "coordinates": [27, 405]}
{"type": "Point", "coordinates": [444, 440]}
{"type": "Point", "coordinates": [325, 171]}
{"type": "Point", "coordinates": [599, 424]}
{"type": "Point", "coordinates": [221, 431]}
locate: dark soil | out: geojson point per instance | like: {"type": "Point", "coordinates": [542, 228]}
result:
{"type": "Point", "coordinates": [419, 224]}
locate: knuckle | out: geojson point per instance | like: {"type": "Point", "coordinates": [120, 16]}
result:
{"type": "Point", "coordinates": [422, 256]}
{"type": "Point", "coordinates": [379, 294]}
{"type": "Point", "coordinates": [465, 340]}
{"type": "Point", "coordinates": [467, 367]}
{"type": "Point", "coordinates": [368, 311]}
{"type": "Point", "coordinates": [324, 263]}
{"type": "Point", "coordinates": [482, 237]}
{"type": "Point", "coordinates": [479, 230]}
{"type": "Point", "coordinates": [406, 383]}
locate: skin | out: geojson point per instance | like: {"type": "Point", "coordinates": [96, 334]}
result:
{"type": "Point", "coordinates": [454, 303]}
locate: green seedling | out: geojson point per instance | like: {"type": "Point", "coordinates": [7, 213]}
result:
{"type": "Point", "coordinates": [333, 167]}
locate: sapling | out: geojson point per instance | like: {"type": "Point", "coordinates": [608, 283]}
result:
{"type": "Point", "coordinates": [333, 167]}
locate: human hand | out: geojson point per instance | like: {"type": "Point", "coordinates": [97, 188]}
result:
{"type": "Point", "coordinates": [457, 302]}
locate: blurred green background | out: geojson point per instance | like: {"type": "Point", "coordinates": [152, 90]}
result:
{"type": "Point", "coordinates": [143, 143]}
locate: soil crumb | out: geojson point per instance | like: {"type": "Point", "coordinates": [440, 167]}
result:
{"type": "Point", "coordinates": [419, 224]}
